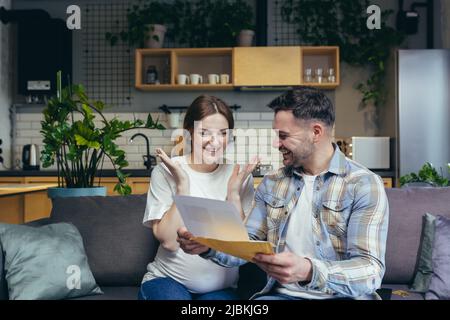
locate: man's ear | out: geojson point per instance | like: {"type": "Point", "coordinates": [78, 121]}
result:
{"type": "Point", "coordinates": [319, 131]}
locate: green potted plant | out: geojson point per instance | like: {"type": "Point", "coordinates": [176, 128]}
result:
{"type": "Point", "coordinates": [79, 147]}
{"type": "Point", "coordinates": [231, 23]}
{"type": "Point", "coordinates": [147, 25]}
{"type": "Point", "coordinates": [428, 175]}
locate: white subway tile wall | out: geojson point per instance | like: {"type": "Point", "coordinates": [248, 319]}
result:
{"type": "Point", "coordinates": [253, 136]}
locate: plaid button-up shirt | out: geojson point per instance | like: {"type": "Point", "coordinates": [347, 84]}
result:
{"type": "Point", "coordinates": [350, 224]}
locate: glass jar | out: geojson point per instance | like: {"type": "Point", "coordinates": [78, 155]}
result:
{"type": "Point", "coordinates": [331, 75]}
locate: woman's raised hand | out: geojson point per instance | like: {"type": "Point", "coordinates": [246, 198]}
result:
{"type": "Point", "coordinates": [237, 178]}
{"type": "Point", "coordinates": [179, 175]}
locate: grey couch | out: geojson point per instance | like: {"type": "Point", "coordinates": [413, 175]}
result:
{"type": "Point", "coordinates": [119, 247]}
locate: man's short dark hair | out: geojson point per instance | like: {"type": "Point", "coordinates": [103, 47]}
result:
{"type": "Point", "coordinates": [306, 103]}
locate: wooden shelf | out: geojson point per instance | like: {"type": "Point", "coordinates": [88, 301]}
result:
{"type": "Point", "coordinates": [320, 57]}
{"type": "Point", "coordinates": [246, 66]}
{"type": "Point", "coordinates": [186, 61]}
{"type": "Point", "coordinates": [324, 85]}
{"type": "Point", "coordinates": [187, 87]}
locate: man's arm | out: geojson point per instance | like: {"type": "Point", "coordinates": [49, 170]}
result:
{"type": "Point", "coordinates": [367, 230]}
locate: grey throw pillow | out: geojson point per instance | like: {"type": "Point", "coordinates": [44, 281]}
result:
{"type": "Point", "coordinates": [424, 270]}
{"type": "Point", "coordinates": [440, 280]}
{"type": "Point", "coordinates": [48, 262]}
{"type": "Point", "coordinates": [3, 287]}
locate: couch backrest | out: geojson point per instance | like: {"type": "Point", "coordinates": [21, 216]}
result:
{"type": "Point", "coordinates": [117, 245]}
{"type": "Point", "coordinates": [406, 208]}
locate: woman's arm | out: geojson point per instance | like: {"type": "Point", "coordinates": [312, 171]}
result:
{"type": "Point", "coordinates": [165, 229]}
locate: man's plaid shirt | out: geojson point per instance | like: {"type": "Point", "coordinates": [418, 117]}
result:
{"type": "Point", "coordinates": [350, 224]}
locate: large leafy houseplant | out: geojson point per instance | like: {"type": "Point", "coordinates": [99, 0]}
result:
{"type": "Point", "coordinates": [79, 147]}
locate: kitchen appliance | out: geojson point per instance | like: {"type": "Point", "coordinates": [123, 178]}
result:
{"type": "Point", "coordinates": [44, 46]}
{"type": "Point", "coordinates": [371, 152]}
{"type": "Point", "coordinates": [262, 170]}
{"type": "Point", "coordinates": [30, 157]}
{"type": "Point", "coordinates": [423, 113]}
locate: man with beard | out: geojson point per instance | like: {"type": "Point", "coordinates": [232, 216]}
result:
{"type": "Point", "coordinates": [326, 215]}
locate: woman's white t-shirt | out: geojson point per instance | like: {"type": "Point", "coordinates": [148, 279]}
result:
{"type": "Point", "coordinates": [195, 273]}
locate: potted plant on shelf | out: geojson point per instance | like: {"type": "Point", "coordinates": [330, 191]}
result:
{"type": "Point", "coordinates": [231, 23]}
{"type": "Point", "coordinates": [147, 25]}
{"type": "Point", "coordinates": [79, 147]}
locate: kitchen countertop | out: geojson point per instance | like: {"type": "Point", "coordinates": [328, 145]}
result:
{"type": "Point", "coordinates": [15, 189]}
{"type": "Point", "coordinates": [52, 173]}
{"type": "Point", "coordinates": [132, 172]}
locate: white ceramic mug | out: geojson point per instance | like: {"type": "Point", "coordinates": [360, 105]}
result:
{"type": "Point", "coordinates": [224, 78]}
{"type": "Point", "coordinates": [174, 119]}
{"type": "Point", "coordinates": [182, 79]}
{"type": "Point", "coordinates": [213, 78]}
{"type": "Point", "coordinates": [196, 78]}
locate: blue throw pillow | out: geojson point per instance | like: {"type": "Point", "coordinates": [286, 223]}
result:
{"type": "Point", "coordinates": [440, 280]}
{"type": "Point", "coordinates": [47, 262]}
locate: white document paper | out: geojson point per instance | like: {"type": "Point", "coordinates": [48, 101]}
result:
{"type": "Point", "coordinates": [218, 225]}
{"type": "Point", "coordinates": [210, 218]}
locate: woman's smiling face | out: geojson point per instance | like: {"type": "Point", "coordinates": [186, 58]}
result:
{"type": "Point", "coordinates": [210, 138]}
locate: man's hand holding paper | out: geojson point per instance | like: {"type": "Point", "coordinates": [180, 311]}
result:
{"type": "Point", "coordinates": [216, 224]}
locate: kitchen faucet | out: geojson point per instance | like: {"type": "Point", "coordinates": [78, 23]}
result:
{"type": "Point", "coordinates": [148, 159]}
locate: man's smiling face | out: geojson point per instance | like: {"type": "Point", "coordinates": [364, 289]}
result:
{"type": "Point", "coordinates": [295, 138]}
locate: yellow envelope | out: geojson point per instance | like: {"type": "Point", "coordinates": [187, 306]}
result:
{"type": "Point", "coordinates": [242, 249]}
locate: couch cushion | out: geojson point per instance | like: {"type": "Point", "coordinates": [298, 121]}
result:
{"type": "Point", "coordinates": [114, 293]}
{"type": "Point", "coordinates": [424, 270]}
{"type": "Point", "coordinates": [440, 280]}
{"type": "Point", "coordinates": [118, 246]}
{"type": "Point", "coordinates": [406, 208]}
{"type": "Point", "coordinates": [48, 262]}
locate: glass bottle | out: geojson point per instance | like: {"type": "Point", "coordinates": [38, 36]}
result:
{"type": "Point", "coordinates": [151, 76]}
{"type": "Point", "coordinates": [166, 72]}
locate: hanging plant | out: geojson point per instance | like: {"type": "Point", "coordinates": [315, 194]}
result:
{"type": "Point", "coordinates": [343, 23]}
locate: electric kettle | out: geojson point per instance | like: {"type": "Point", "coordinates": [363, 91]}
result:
{"type": "Point", "coordinates": [30, 157]}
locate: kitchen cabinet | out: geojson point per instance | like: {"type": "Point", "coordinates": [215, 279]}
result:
{"type": "Point", "coordinates": [36, 205]}
{"type": "Point", "coordinates": [245, 66]}
{"type": "Point", "coordinates": [170, 63]}
{"type": "Point", "coordinates": [267, 66]}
